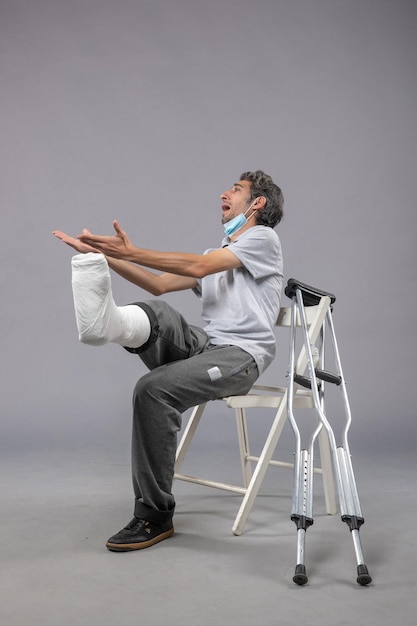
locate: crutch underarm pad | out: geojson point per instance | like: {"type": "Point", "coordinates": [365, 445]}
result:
{"type": "Point", "coordinates": [311, 295]}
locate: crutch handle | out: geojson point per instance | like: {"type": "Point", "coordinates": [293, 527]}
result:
{"type": "Point", "coordinates": [328, 377]}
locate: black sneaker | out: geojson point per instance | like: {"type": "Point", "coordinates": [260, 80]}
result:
{"type": "Point", "coordinates": [139, 534]}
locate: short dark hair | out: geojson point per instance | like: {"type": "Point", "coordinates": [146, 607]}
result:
{"type": "Point", "coordinates": [263, 185]}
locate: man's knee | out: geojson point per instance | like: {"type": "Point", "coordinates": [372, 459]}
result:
{"type": "Point", "coordinates": [155, 406]}
{"type": "Point", "coordinates": [151, 386]}
{"type": "Point", "coordinates": [144, 385]}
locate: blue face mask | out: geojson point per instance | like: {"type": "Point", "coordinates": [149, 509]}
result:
{"type": "Point", "coordinates": [236, 223]}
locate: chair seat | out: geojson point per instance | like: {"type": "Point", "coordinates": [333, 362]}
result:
{"type": "Point", "coordinates": [302, 399]}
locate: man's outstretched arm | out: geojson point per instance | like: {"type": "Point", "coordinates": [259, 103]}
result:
{"type": "Point", "coordinates": [118, 246]}
{"type": "Point", "coordinates": [156, 284]}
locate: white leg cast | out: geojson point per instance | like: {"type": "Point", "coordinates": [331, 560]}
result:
{"type": "Point", "coordinates": [99, 320]}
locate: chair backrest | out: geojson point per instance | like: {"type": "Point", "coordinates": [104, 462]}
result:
{"type": "Point", "coordinates": [315, 316]}
{"type": "Point", "coordinates": [284, 316]}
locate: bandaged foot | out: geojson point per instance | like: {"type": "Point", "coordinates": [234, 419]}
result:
{"type": "Point", "coordinates": [99, 320]}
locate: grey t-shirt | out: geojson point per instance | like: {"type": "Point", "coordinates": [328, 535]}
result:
{"type": "Point", "coordinates": [240, 306]}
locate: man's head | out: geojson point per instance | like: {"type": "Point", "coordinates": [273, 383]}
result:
{"type": "Point", "coordinates": [262, 185]}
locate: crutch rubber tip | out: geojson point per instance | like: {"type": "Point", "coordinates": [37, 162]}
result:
{"type": "Point", "coordinates": [300, 576]}
{"type": "Point", "coordinates": [363, 576]}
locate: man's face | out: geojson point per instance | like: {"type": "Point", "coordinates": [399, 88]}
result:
{"type": "Point", "coordinates": [236, 200]}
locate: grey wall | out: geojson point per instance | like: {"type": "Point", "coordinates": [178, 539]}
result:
{"type": "Point", "coordinates": [146, 111]}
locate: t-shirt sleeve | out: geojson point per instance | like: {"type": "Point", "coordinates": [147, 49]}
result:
{"type": "Point", "coordinates": [259, 251]}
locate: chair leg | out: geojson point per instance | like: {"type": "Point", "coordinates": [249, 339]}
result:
{"type": "Point", "coordinates": [188, 435]}
{"type": "Point", "coordinates": [242, 434]}
{"type": "Point", "coordinates": [328, 473]}
{"type": "Point", "coordinates": [261, 467]}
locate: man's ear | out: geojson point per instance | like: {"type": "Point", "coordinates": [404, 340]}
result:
{"type": "Point", "coordinates": [260, 202]}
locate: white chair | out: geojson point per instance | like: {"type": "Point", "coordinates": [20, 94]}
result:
{"type": "Point", "coordinates": [261, 396]}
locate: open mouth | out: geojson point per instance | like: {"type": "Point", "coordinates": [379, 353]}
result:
{"type": "Point", "coordinates": [225, 213]}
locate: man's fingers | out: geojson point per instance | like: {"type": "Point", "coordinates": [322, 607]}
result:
{"type": "Point", "coordinates": [59, 234]}
{"type": "Point", "coordinates": [75, 243]}
{"type": "Point", "coordinates": [64, 237]}
{"type": "Point", "coordinates": [118, 230]}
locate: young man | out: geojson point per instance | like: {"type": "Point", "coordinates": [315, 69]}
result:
{"type": "Point", "coordinates": [240, 289]}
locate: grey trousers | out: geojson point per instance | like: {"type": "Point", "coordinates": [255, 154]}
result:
{"type": "Point", "coordinates": [185, 370]}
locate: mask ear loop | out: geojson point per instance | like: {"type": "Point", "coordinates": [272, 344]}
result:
{"type": "Point", "coordinates": [249, 208]}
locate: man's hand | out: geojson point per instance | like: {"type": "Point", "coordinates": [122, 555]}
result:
{"type": "Point", "coordinates": [78, 245]}
{"type": "Point", "coordinates": [117, 246]}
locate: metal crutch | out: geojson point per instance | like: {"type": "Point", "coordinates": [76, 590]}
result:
{"type": "Point", "coordinates": [350, 508]}
{"type": "Point", "coordinates": [302, 501]}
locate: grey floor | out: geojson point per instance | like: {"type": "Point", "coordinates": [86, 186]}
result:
{"type": "Point", "coordinates": [59, 507]}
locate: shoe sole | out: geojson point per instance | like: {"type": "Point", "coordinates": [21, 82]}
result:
{"type": "Point", "coordinates": [129, 547]}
